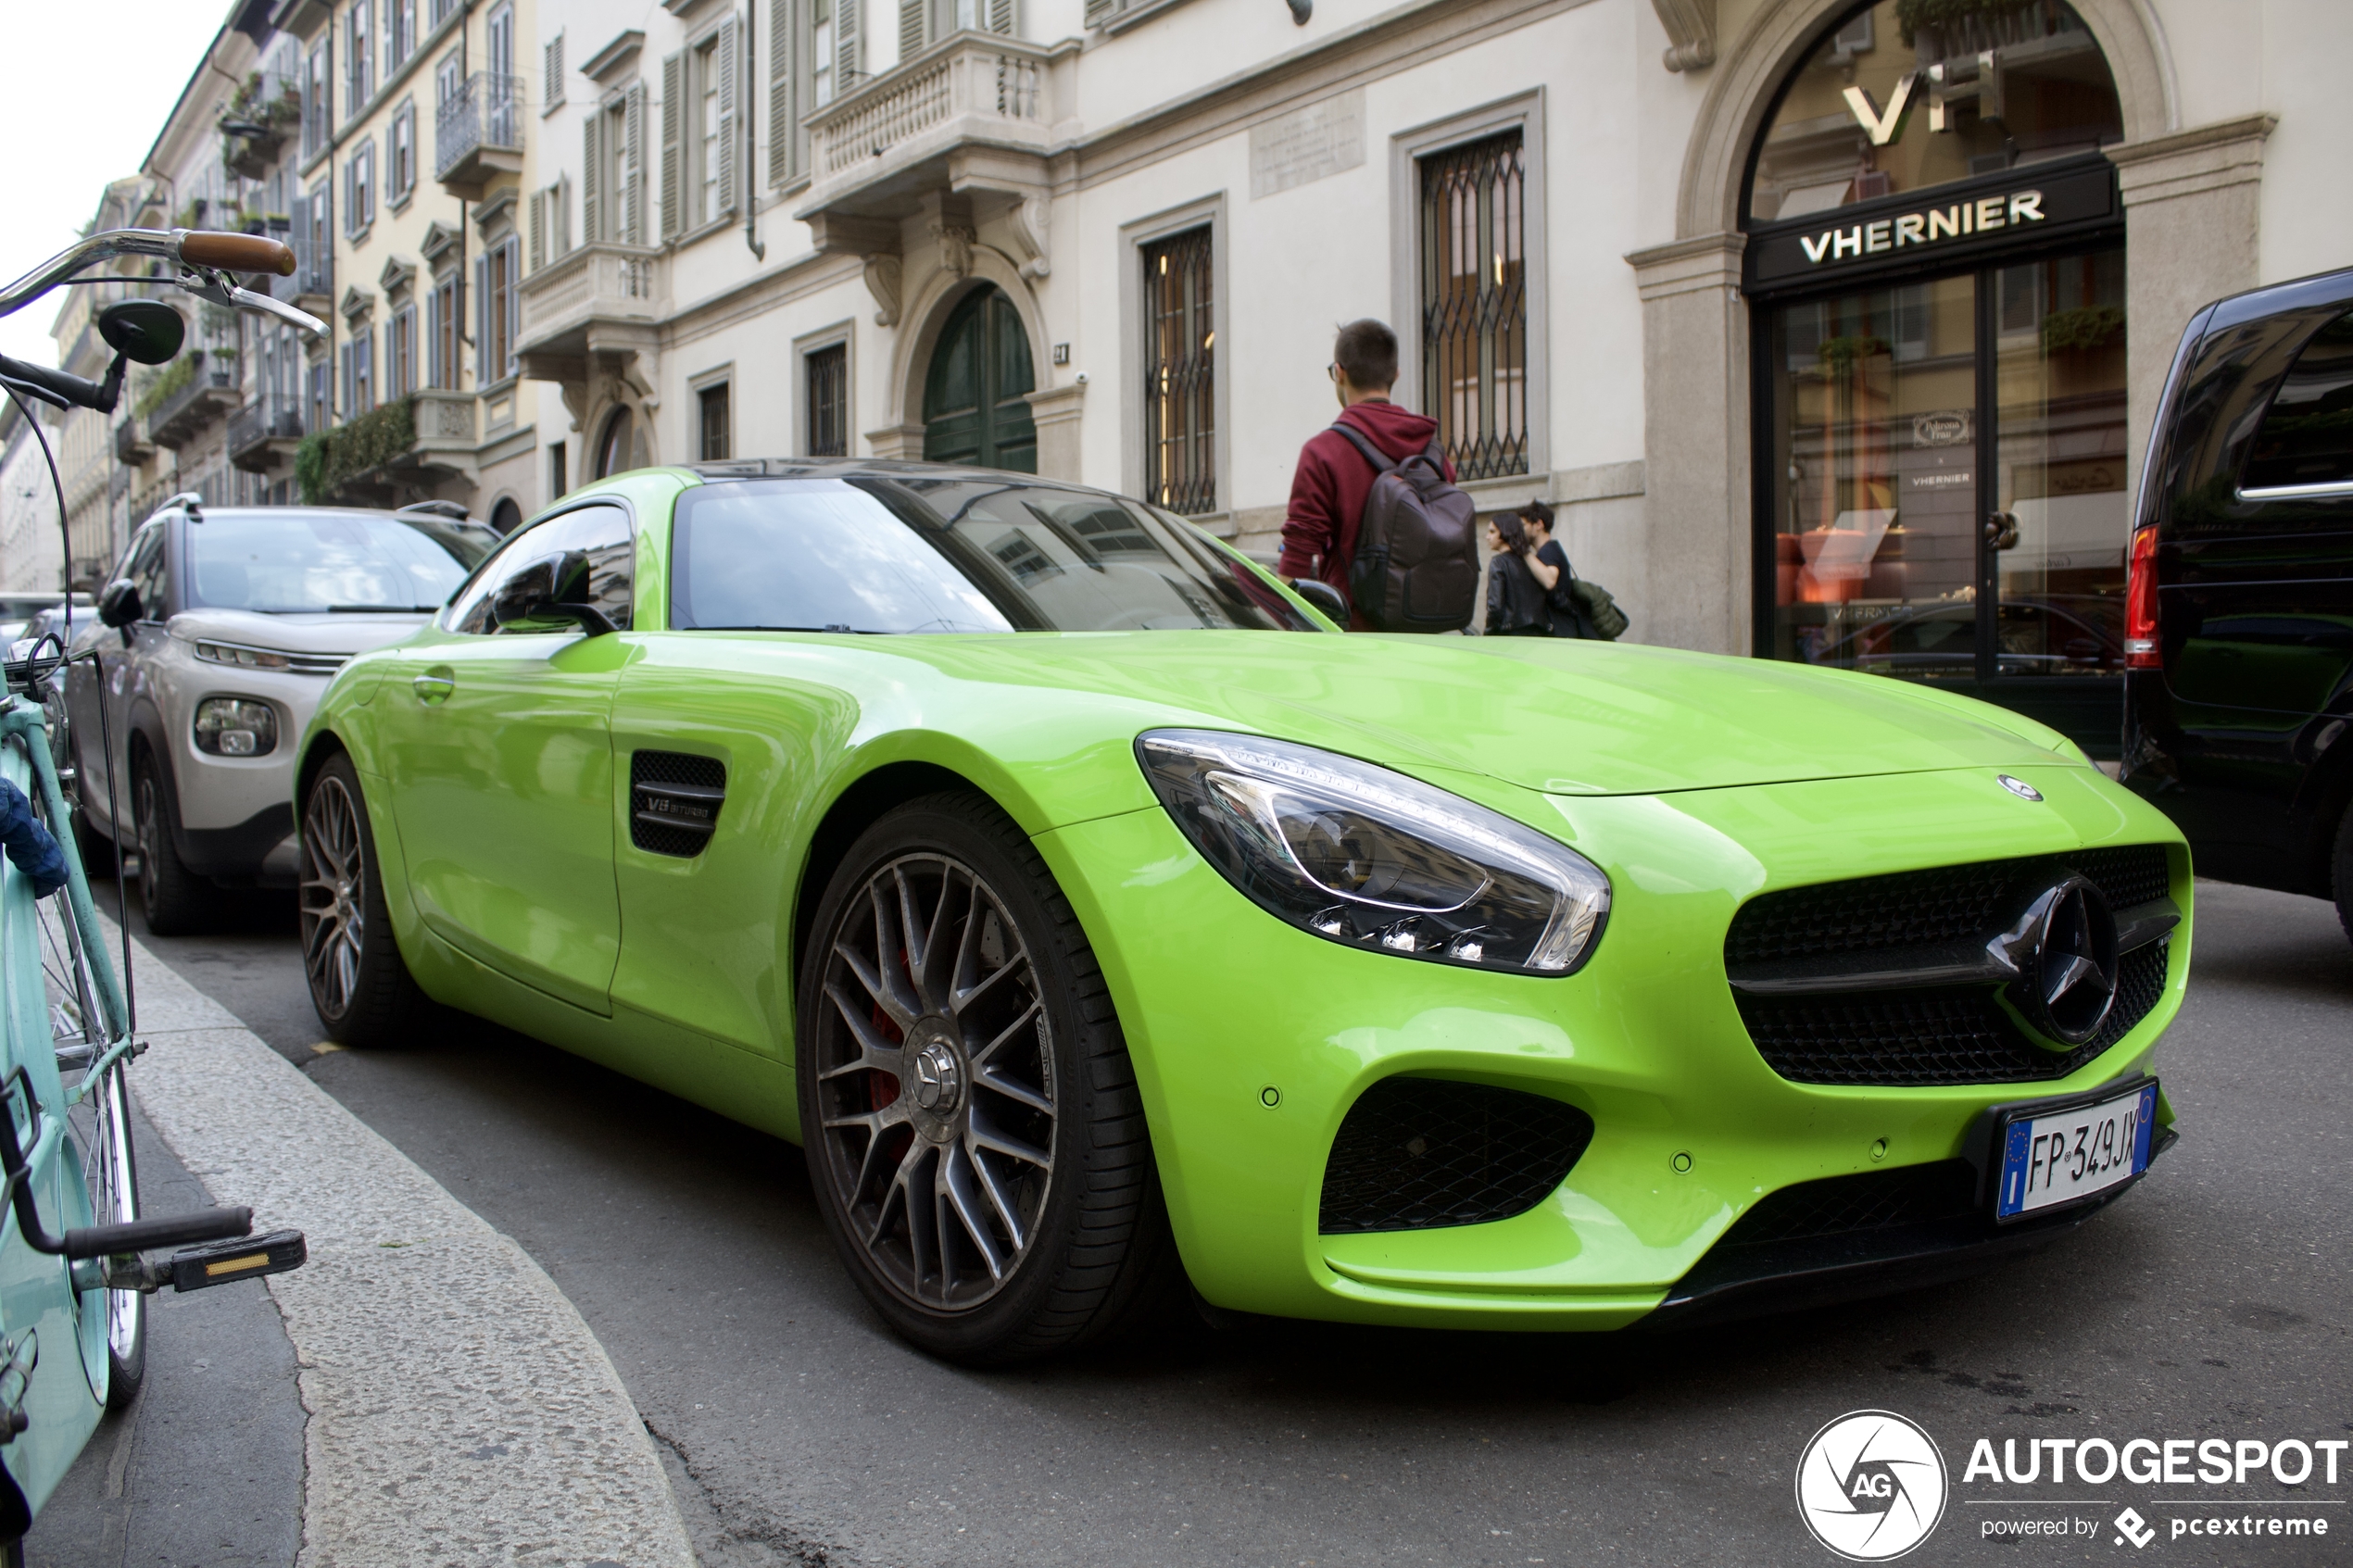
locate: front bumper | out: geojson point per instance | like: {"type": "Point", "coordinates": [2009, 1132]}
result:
{"type": "Point", "coordinates": [1252, 1039]}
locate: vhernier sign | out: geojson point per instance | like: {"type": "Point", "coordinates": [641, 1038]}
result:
{"type": "Point", "coordinates": [2061, 199]}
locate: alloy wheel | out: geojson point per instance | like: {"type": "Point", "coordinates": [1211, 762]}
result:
{"type": "Point", "coordinates": [935, 1070]}
{"type": "Point", "coordinates": [145, 807]}
{"type": "Point", "coordinates": [333, 895]}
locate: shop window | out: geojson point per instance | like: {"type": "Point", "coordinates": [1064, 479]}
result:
{"type": "Point", "coordinates": [1180, 347]}
{"type": "Point", "coordinates": [826, 371]}
{"type": "Point", "coordinates": [1474, 303]}
{"type": "Point", "coordinates": [1902, 97]}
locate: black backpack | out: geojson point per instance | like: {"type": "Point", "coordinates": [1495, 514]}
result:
{"type": "Point", "coordinates": [1417, 566]}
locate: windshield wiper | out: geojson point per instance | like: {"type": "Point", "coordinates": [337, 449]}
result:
{"type": "Point", "coordinates": [371, 609]}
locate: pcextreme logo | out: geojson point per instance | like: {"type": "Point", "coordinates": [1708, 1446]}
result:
{"type": "Point", "coordinates": [1872, 1485]}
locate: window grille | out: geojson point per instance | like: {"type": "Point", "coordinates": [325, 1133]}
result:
{"type": "Point", "coordinates": [1474, 297]}
{"type": "Point", "coordinates": [828, 376]}
{"type": "Point", "coordinates": [1180, 345]}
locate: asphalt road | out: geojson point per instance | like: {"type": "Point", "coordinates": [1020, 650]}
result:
{"type": "Point", "coordinates": [2211, 1303]}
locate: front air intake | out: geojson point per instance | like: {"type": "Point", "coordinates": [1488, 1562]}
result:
{"type": "Point", "coordinates": [1419, 1153]}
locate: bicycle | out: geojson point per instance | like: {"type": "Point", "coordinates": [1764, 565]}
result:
{"type": "Point", "coordinates": [68, 1016]}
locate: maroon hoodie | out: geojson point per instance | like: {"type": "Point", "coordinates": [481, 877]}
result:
{"type": "Point", "coordinates": [1329, 490]}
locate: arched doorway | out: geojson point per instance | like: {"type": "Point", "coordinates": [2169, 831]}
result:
{"type": "Point", "coordinates": [1935, 269]}
{"type": "Point", "coordinates": [976, 393]}
{"type": "Point", "coordinates": [617, 451]}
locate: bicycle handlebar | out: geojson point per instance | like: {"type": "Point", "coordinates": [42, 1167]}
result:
{"type": "Point", "coordinates": [235, 253]}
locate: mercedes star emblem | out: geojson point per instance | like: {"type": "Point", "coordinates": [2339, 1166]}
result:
{"type": "Point", "coordinates": [2063, 951]}
{"type": "Point", "coordinates": [2018, 787]}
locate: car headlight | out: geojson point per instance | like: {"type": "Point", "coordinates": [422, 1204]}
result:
{"type": "Point", "coordinates": [237, 726]}
{"type": "Point", "coordinates": [243, 658]}
{"type": "Point", "coordinates": [1368, 857]}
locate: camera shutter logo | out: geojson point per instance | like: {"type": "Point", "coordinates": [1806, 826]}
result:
{"type": "Point", "coordinates": [1872, 1485]}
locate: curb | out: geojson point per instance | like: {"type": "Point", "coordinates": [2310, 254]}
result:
{"type": "Point", "coordinates": [461, 1411]}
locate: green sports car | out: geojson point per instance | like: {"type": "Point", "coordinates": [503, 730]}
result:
{"type": "Point", "coordinates": [1096, 916]}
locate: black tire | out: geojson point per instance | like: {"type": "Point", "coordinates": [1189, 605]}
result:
{"type": "Point", "coordinates": [359, 981]}
{"type": "Point", "coordinates": [2342, 871]}
{"type": "Point", "coordinates": [1084, 1236]}
{"type": "Point", "coordinates": [178, 902]}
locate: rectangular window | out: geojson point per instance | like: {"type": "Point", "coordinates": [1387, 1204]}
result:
{"type": "Point", "coordinates": [322, 411]}
{"type": "Point", "coordinates": [320, 276]}
{"type": "Point", "coordinates": [1181, 336]}
{"type": "Point", "coordinates": [712, 404]}
{"type": "Point", "coordinates": [400, 353]}
{"type": "Point", "coordinates": [442, 10]}
{"type": "Point", "coordinates": [400, 31]}
{"type": "Point", "coordinates": [707, 203]}
{"type": "Point", "coordinates": [359, 57]}
{"type": "Point", "coordinates": [827, 372]}
{"type": "Point", "coordinates": [496, 276]}
{"type": "Point", "coordinates": [360, 189]}
{"type": "Point", "coordinates": [359, 372]}
{"type": "Point", "coordinates": [317, 96]}
{"type": "Point", "coordinates": [441, 329]}
{"type": "Point", "coordinates": [1474, 304]}
{"type": "Point", "coordinates": [556, 485]}
{"type": "Point", "coordinates": [449, 80]}
{"type": "Point", "coordinates": [400, 178]}
{"type": "Point", "coordinates": [820, 52]}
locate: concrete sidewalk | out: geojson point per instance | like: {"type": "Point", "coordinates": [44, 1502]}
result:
{"type": "Point", "coordinates": [459, 1410]}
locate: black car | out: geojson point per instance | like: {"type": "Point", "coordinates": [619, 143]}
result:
{"type": "Point", "coordinates": [2238, 711]}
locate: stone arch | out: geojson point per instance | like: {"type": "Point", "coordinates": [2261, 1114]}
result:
{"type": "Point", "coordinates": [941, 292]}
{"type": "Point", "coordinates": [1743, 82]}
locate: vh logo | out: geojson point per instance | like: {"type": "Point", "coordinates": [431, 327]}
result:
{"type": "Point", "coordinates": [2135, 1528]}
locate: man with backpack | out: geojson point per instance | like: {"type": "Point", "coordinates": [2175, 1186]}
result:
{"type": "Point", "coordinates": [1374, 510]}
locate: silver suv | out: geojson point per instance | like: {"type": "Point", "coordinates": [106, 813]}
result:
{"type": "Point", "coordinates": [214, 641]}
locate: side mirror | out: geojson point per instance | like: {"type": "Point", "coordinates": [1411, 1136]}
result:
{"type": "Point", "coordinates": [552, 588]}
{"type": "Point", "coordinates": [1325, 598]}
{"type": "Point", "coordinates": [147, 331]}
{"type": "Point", "coordinates": [118, 606]}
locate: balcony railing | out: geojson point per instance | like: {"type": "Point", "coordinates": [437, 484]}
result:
{"type": "Point", "coordinates": [210, 391]}
{"type": "Point", "coordinates": [479, 132]}
{"type": "Point", "coordinates": [263, 432]}
{"type": "Point", "coordinates": [971, 88]}
{"type": "Point", "coordinates": [599, 298]}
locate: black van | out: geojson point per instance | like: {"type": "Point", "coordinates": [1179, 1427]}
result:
{"type": "Point", "coordinates": [2238, 705]}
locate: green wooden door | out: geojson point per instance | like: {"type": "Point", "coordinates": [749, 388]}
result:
{"type": "Point", "coordinates": [976, 397]}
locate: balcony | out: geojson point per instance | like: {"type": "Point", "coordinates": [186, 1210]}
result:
{"type": "Point", "coordinates": [130, 444]}
{"type": "Point", "coordinates": [600, 299]}
{"type": "Point", "coordinates": [185, 412]}
{"type": "Point", "coordinates": [973, 113]}
{"type": "Point", "coordinates": [477, 135]}
{"type": "Point", "coordinates": [263, 435]}
{"type": "Point", "coordinates": [419, 440]}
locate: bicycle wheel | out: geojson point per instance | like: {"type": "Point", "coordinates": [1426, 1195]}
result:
{"type": "Point", "coordinates": [100, 1122]}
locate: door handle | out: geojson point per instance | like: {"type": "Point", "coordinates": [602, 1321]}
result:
{"type": "Point", "coordinates": [2001, 530]}
{"type": "Point", "coordinates": [431, 689]}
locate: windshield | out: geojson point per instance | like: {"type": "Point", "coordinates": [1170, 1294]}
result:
{"type": "Point", "coordinates": [286, 561]}
{"type": "Point", "coordinates": [951, 555]}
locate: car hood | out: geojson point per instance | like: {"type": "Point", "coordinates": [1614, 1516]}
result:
{"type": "Point", "coordinates": [1575, 718]}
{"type": "Point", "coordinates": [297, 632]}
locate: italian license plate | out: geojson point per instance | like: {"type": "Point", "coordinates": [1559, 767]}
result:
{"type": "Point", "coordinates": [2053, 1156]}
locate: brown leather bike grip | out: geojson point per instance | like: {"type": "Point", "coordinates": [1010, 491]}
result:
{"type": "Point", "coordinates": [237, 252]}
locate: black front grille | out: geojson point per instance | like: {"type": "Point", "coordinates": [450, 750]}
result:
{"type": "Point", "coordinates": [1951, 1034]}
{"type": "Point", "coordinates": [1935, 1034]}
{"type": "Point", "coordinates": [1416, 1153]}
{"type": "Point", "coordinates": [1872, 1201]}
{"type": "Point", "coordinates": [677, 820]}
{"type": "Point", "coordinates": [1919, 908]}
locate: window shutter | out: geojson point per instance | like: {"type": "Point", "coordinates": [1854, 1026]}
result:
{"type": "Point", "coordinates": [1101, 11]}
{"type": "Point", "coordinates": [301, 238]}
{"type": "Point", "coordinates": [784, 126]}
{"type": "Point", "coordinates": [633, 157]}
{"type": "Point", "coordinates": [551, 90]}
{"type": "Point", "coordinates": [1001, 18]}
{"type": "Point", "coordinates": [592, 168]}
{"type": "Point", "coordinates": [538, 230]}
{"type": "Point", "coordinates": [729, 58]}
{"type": "Point", "coordinates": [911, 28]}
{"type": "Point", "coordinates": [673, 164]}
{"type": "Point", "coordinates": [847, 52]}
{"type": "Point", "coordinates": [514, 306]}
{"type": "Point", "coordinates": [483, 373]}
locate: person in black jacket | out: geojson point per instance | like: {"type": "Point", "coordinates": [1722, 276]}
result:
{"type": "Point", "coordinates": [1514, 602]}
{"type": "Point", "coordinates": [1548, 564]}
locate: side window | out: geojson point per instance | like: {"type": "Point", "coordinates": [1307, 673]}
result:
{"type": "Point", "coordinates": [148, 572]}
{"type": "Point", "coordinates": [602, 534]}
{"type": "Point", "coordinates": [2307, 437]}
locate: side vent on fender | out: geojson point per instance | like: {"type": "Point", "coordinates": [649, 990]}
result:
{"type": "Point", "coordinates": [674, 802]}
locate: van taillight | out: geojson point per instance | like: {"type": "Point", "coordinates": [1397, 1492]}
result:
{"type": "Point", "coordinates": [2140, 603]}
